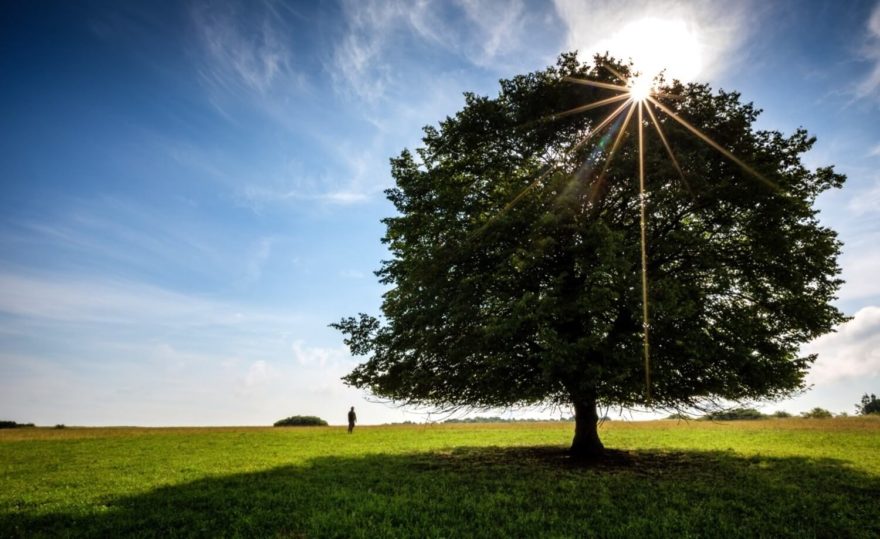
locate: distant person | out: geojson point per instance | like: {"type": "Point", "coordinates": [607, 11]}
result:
{"type": "Point", "coordinates": [352, 419]}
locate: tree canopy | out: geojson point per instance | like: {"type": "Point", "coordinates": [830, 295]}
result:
{"type": "Point", "coordinates": [514, 275]}
{"type": "Point", "coordinates": [870, 404]}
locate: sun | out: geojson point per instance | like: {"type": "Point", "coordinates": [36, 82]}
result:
{"type": "Point", "coordinates": [656, 45]}
{"type": "Point", "coordinates": [641, 87]}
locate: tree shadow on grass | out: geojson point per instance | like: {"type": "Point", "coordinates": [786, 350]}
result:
{"type": "Point", "coordinates": [497, 492]}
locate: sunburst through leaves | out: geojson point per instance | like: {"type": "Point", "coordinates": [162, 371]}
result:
{"type": "Point", "coordinates": [637, 97]}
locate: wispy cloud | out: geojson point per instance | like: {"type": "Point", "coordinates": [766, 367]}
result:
{"type": "Point", "coordinates": [174, 241]}
{"type": "Point", "coordinates": [242, 50]}
{"type": "Point", "coordinates": [105, 302]}
{"type": "Point", "coordinates": [869, 87]}
{"type": "Point", "coordinates": [257, 196]}
{"type": "Point", "coordinates": [352, 274]}
{"type": "Point", "coordinates": [853, 351]}
{"type": "Point", "coordinates": [495, 33]}
{"type": "Point", "coordinates": [367, 61]}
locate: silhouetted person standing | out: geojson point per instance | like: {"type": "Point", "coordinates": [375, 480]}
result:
{"type": "Point", "coordinates": [352, 419]}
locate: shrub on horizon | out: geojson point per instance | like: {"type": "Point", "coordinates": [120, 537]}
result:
{"type": "Point", "coordinates": [301, 421]}
{"type": "Point", "coordinates": [735, 414]}
{"type": "Point", "coordinates": [870, 405]}
{"type": "Point", "coordinates": [817, 413]}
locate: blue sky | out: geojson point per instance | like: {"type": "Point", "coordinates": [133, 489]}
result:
{"type": "Point", "coordinates": [191, 191]}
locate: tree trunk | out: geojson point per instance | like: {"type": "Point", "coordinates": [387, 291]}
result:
{"type": "Point", "coordinates": [586, 443]}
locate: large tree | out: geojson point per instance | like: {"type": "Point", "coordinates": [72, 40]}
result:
{"type": "Point", "coordinates": [515, 273]}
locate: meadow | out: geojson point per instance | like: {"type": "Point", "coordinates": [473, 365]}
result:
{"type": "Point", "coordinates": [768, 478]}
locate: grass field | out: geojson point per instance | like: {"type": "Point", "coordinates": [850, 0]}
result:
{"type": "Point", "coordinates": [771, 478]}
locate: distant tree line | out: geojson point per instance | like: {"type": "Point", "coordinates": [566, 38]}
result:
{"type": "Point", "coordinates": [496, 419]}
{"type": "Point", "coordinates": [14, 425]}
{"type": "Point", "coordinates": [870, 405]}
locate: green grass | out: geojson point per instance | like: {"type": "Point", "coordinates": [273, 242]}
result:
{"type": "Point", "coordinates": [772, 478]}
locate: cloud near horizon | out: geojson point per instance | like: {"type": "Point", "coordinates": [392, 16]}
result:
{"type": "Point", "coordinates": [851, 352]}
{"type": "Point", "coordinates": [115, 352]}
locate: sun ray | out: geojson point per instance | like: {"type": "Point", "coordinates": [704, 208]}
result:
{"type": "Point", "coordinates": [705, 138]}
{"type": "Point", "coordinates": [610, 118]}
{"type": "Point", "coordinates": [643, 226]}
{"type": "Point", "coordinates": [551, 168]}
{"type": "Point", "coordinates": [589, 106]}
{"type": "Point", "coordinates": [597, 84]}
{"type": "Point", "coordinates": [600, 180]}
{"type": "Point", "coordinates": [615, 72]}
{"type": "Point", "coordinates": [669, 151]}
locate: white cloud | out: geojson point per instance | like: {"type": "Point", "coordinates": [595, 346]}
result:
{"type": "Point", "coordinates": [860, 263]}
{"type": "Point", "coordinates": [318, 356]}
{"type": "Point", "coordinates": [258, 374]}
{"type": "Point", "coordinates": [866, 202]}
{"type": "Point", "coordinates": [852, 352]}
{"type": "Point", "coordinates": [717, 28]}
{"type": "Point", "coordinates": [352, 274]}
{"type": "Point", "coordinates": [259, 256]}
{"type": "Point", "coordinates": [870, 85]}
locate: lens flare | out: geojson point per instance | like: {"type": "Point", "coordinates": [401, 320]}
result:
{"type": "Point", "coordinates": [641, 88]}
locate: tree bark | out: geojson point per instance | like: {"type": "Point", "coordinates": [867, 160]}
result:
{"type": "Point", "coordinates": [586, 443]}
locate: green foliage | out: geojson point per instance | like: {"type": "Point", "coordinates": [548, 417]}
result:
{"type": "Point", "coordinates": [497, 419]}
{"type": "Point", "coordinates": [817, 413]}
{"type": "Point", "coordinates": [493, 303]}
{"type": "Point", "coordinates": [792, 478]}
{"type": "Point", "coordinates": [494, 419]}
{"type": "Point", "coordinates": [780, 414]}
{"type": "Point", "coordinates": [301, 421]}
{"type": "Point", "coordinates": [735, 414]}
{"type": "Point", "coordinates": [870, 405]}
{"type": "Point", "coordinates": [14, 425]}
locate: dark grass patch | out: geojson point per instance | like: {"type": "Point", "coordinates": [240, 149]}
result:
{"type": "Point", "coordinates": [494, 492]}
